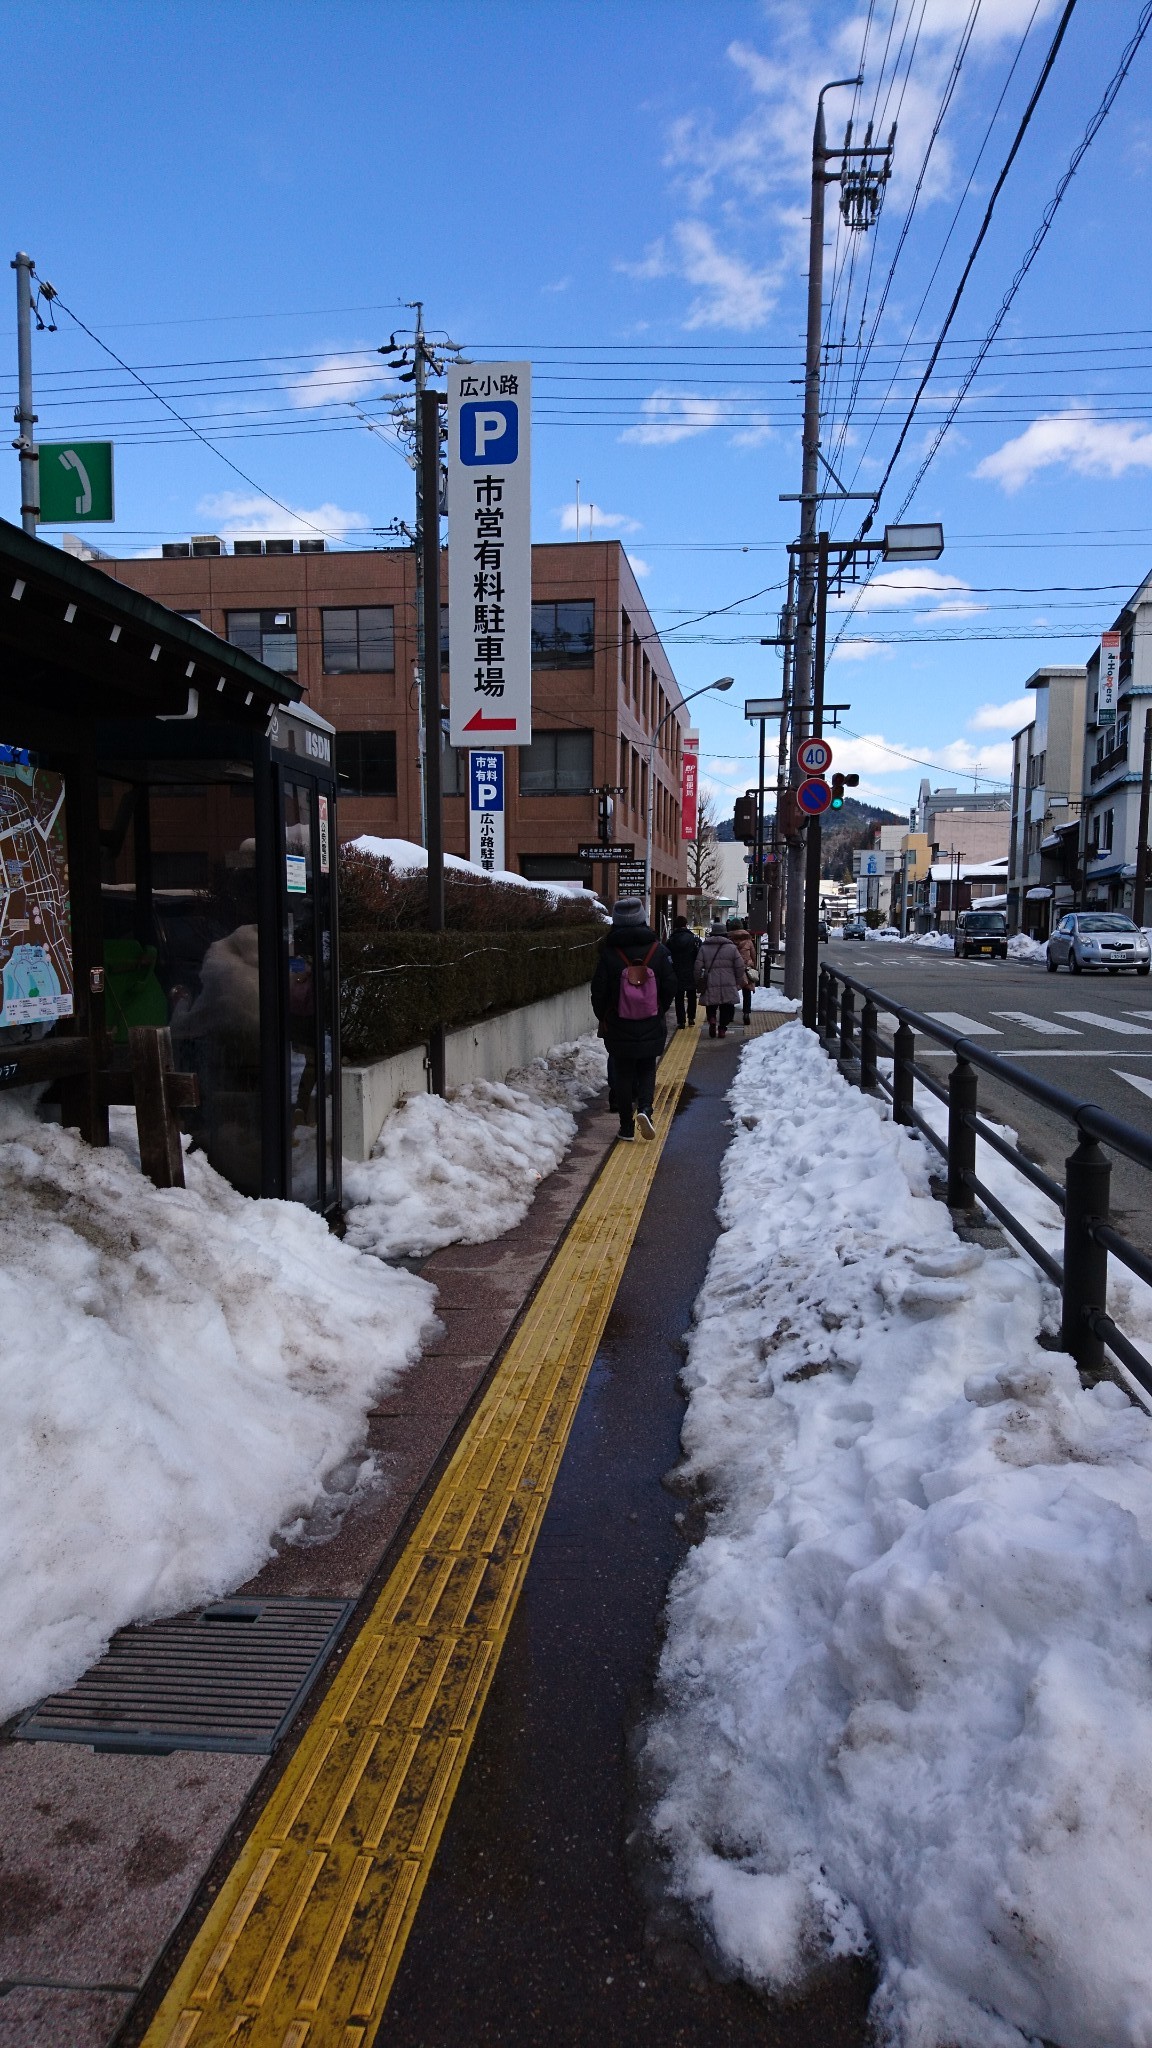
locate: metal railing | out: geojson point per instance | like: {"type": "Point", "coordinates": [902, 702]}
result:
{"type": "Point", "coordinates": [1086, 1328]}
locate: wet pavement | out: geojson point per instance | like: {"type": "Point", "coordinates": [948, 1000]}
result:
{"type": "Point", "coordinates": [539, 1920]}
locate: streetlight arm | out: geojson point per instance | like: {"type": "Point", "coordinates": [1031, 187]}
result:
{"type": "Point", "coordinates": [721, 683]}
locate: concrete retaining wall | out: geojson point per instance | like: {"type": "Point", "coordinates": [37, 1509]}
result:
{"type": "Point", "coordinates": [485, 1051]}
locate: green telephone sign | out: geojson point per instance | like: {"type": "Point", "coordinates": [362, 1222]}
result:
{"type": "Point", "coordinates": [75, 482]}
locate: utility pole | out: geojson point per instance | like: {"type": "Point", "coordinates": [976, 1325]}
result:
{"type": "Point", "coordinates": [1142, 827]}
{"type": "Point", "coordinates": [861, 173]}
{"type": "Point", "coordinates": [428, 415]}
{"type": "Point", "coordinates": [413, 360]}
{"type": "Point", "coordinates": [25, 418]}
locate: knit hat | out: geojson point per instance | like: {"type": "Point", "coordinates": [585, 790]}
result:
{"type": "Point", "coordinates": [717, 931]}
{"type": "Point", "coordinates": [628, 910]}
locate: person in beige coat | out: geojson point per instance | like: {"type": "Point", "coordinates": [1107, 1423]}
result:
{"type": "Point", "coordinates": [745, 945]}
{"type": "Point", "coordinates": [720, 977]}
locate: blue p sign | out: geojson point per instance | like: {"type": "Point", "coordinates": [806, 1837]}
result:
{"type": "Point", "coordinates": [489, 432]}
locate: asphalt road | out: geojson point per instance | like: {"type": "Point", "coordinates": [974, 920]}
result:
{"type": "Point", "coordinates": [1089, 1034]}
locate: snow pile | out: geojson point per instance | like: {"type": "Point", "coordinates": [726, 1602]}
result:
{"type": "Point", "coordinates": [773, 999]}
{"type": "Point", "coordinates": [185, 1374]}
{"type": "Point", "coordinates": [409, 859]}
{"type": "Point", "coordinates": [934, 942]}
{"type": "Point", "coordinates": [465, 1168]}
{"type": "Point", "coordinates": [907, 1684]}
{"type": "Point", "coordinates": [1021, 947]}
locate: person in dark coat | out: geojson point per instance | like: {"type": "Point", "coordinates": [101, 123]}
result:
{"type": "Point", "coordinates": [633, 1044]}
{"type": "Point", "coordinates": [683, 947]}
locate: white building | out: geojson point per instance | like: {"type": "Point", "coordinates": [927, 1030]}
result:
{"type": "Point", "coordinates": [1113, 757]}
{"type": "Point", "coordinates": [1047, 780]}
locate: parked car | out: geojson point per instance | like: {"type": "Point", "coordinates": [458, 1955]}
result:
{"type": "Point", "coordinates": [981, 931]}
{"type": "Point", "coordinates": [855, 928]}
{"type": "Point", "coordinates": [822, 930]}
{"type": "Point", "coordinates": [1098, 938]}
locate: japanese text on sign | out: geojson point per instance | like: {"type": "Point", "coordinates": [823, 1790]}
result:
{"type": "Point", "coordinates": [489, 557]}
{"type": "Point", "coordinates": [486, 810]}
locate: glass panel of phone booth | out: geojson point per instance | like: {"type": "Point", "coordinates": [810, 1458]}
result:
{"type": "Point", "coordinates": [182, 943]}
{"type": "Point", "coordinates": [305, 979]}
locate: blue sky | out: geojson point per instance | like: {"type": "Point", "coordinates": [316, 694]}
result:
{"type": "Point", "coordinates": [239, 199]}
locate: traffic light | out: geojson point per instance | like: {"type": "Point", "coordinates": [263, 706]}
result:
{"type": "Point", "coordinates": [744, 818]}
{"type": "Point", "coordinates": [839, 784]}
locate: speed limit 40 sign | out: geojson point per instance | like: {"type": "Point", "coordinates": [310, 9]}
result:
{"type": "Point", "coordinates": [813, 757]}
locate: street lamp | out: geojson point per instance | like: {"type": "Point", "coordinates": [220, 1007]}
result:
{"type": "Point", "coordinates": [721, 683]}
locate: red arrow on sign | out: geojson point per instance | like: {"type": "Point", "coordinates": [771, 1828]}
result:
{"type": "Point", "coordinates": [478, 723]}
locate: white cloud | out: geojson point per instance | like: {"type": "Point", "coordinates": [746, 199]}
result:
{"type": "Point", "coordinates": [674, 416]}
{"type": "Point", "coordinates": [337, 379]}
{"type": "Point", "coordinates": [601, 521]}
{"type": "Point", "coordinates": [561, 285]}
{"type": "Point", "coordinates": [911, 585]}
{"type": "Point", "coordinates": [1004, 717]}
{"type": "Point", "coordinates": [881, 760]}
{"type": "Point", "coordinates": [861, 650]}
{"type": "Point", "coordinates": [232, 514]}
{"type": "Point", "coordinates": [639, 566]}
{"type": "Point", "coordinates": [730, 292]}
{"type": "Point", "coordinates": [1087, 446]}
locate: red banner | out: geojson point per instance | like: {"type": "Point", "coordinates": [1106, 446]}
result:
{"type": "Point", "coordinates": [689, 784]}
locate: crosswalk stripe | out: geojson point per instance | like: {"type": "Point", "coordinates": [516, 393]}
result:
{"type": "Point", "coordinates": [1140, 1081]}
{"type": "Point", "coordinates": [1104, 1023]}
{"type": "Point", "coordinates": [955, 1021]}
{"type": "Point", "coordinates": [1043, 1025]}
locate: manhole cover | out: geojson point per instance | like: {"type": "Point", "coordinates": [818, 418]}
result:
{"type": "Point", "coordinates": [230, 1678]}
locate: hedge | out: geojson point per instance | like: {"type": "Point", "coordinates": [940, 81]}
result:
{"type": "Point", "coordinates": [397, 984]}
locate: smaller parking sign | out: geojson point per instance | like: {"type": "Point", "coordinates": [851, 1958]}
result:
{"type": "Point", "coordinates": [486, 809]}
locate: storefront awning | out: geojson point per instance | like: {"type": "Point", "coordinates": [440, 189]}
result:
{"type": "Point", "coordinates": [1037, 895]}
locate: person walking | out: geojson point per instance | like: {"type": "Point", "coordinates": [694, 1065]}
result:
{"type": "Point", "coordinates": [745, 945]}
{"type": "Point", "coordinates": [633, 984]}
{"type": "Point", "coordinates": [683, 946]}
{"type": "Point", "coordinates": [720, 976]}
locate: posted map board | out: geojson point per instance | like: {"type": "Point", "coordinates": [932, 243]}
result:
{"type": "Point", "coordinates": [490, 554]}
{"type": "Point", "coordinates": [36, 977]}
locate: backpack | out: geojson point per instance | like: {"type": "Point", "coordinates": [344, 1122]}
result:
{"type": "Point", "coordinates": [637, 997]}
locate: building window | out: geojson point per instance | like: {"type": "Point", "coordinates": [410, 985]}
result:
{"type": "Point", "coordinates": [454, 771]}
{"type": "Point", "coordinates": [556, 764]}
{"type": "Point", "coordinates": [563, 635]}
{"type": "Point", "coordinates": [366, 763]}
{"type": "Point", "coordinates": [555, 867]}
{"type": "Point", "coordinates": [358, 640]}
{"type": "Point", "coordinates": [269, 636]}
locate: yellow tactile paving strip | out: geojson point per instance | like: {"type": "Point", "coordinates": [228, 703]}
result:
{"type": "Point", "coordinates": [301, 1946]}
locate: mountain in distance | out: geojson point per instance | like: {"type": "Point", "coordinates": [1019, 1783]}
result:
{"type": "Point", "coordinates": [842, 833]}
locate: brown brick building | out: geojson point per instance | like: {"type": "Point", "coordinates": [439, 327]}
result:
{"type": "Point", "coordinates": [344, 624]}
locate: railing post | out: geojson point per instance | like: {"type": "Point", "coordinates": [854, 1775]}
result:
{"type": "Point", "coordinates": [821, 1001]}
{"type": "Point", "coordinates": [1087, 1174]}
{"type": "Point", "coordinates": [869, 1025]}
{"type": "Point", "coordinates": [847, 1024]}
{"type": "Point", "coordinates": [824, 1022]}
{"type": "Point", "coordinates": [903, 1078]}
{"type": "Point", "coordinates": [961, 1136]}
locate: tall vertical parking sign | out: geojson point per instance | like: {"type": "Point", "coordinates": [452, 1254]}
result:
{"type": "Point", "coordinates": [490, 554]}
{"type": "Point", "coordinates": [486, 810]}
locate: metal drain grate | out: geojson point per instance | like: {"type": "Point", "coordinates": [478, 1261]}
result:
{"type": "Point", "coordinates": [229, 1678]}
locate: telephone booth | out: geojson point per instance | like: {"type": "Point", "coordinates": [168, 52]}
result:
{"type": "Point", "coordinates": [191, 800]}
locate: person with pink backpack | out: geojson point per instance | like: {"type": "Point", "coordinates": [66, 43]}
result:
{"type": "Point", "coordinates": [633, 987]}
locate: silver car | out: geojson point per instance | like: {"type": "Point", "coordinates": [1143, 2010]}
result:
{"type": "Point", "coordinates": [1098, 938]}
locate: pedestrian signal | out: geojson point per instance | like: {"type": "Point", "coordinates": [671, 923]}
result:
{"type": "Point", "coordinates": [744, 818]}
{"type": "Point", "coordinates": [839, 783]}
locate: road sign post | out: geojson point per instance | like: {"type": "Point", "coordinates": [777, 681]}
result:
{"type": "Point", "coordinates": [75, 482]}
{"type": "Point", "coordinates": [490, 559]}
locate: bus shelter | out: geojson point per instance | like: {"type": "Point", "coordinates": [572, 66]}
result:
{"type": "Point", "coordinates": [168, 858]}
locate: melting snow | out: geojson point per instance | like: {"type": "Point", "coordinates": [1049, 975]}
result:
{"type": "Point", "coordinates": [464, 1168]}
{"type": "Point", "coordinates": [185, 1374]}
{"type": "Point", "coordinates": [907, 1683]}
